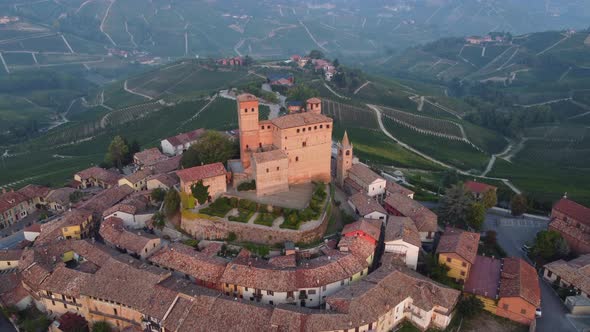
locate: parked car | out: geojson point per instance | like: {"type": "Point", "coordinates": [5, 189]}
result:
{"type": "Point", "coordinates": [538, 313]}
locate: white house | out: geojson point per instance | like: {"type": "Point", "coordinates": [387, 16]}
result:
{"type": "Point", "coordinates": [176, 145]}
{"type": "Point", "coordinates": [132, 211]}
{"type": "Point", "coordinates": [402, 240]}
{"type": "Point", "coordinates": [371, 182]}
{"type": "Point", "coordinates": [367, 207]}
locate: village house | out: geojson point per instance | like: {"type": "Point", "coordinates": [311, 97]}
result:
{"type": "Point", "coordinates": [457, 249]}
{"type": "Point", "coordinates": [186, 262]}
{"type": "Point", "coordinates": [212, 175]}
{"type": "Point", "coordinates": [234, 61]}
{"type": "Point", "coordinates": [13, 207]}
{"type": "Point", "coordinates": [58, 200]}
{"type": "Point", "coordinates": [166, 166]}
{"type": "Point", "coordinates": [402, 240]}
{"type": "Point", "coordinates": [35, 194]}
{"type": "Point", "coordinates": [76, 224]}
{"type": "Point", "coordinates": [12, 292]}
{"type": "Point", "coordinates": [367, 207]}
{"type": "Point", "coordinates": [162, 181]}
{"type": "Point", "coordinates": [573, 274]}
{"type": "Point", "coordinates": [9, 259]}
{"type": "Point", "coordinates": [282, 79]}
{"type": "Point", "coordinates": [148, 157]}
{"type": "Point", "coordinates": [99, 203]}
{"type": "Point", "coordinates": [133, 211]}
{"type": "Point", "coordinates": [137, 180]}
{"type": "Point", "coordinates": [32, 232]}
{"type": "Point", "coordinates": [176, 145]}
{"type": "Point", "coordinates": [135, 243]}
{"type": "Point", "coordinates": [96, 177]}
{"type": "Point", "coordinates": [395, 188]}
{"type": "Point", "coordinates": [299, 142]}
{"type": "Point", "coordinates": [399, 204]}
{"type": "Point", "coordinates": [572, 221]}
{"type": "Point", "coordinates": [367, 229]}
{"type": "Point", "coordinates": [478, 189]}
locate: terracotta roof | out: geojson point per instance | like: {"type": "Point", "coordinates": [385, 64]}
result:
{"type": "Point", "coordinates": [484, 277]}
{"type": "Point", "coordinates": [478, 187]}
{"type": "Point", "coordinates": [370, 227]}
{"type": "Point", "coordinates": [392, 187]}
{"type": "Point", "coordinates": [249, 272]}
{"type": "Point", "coordinates": [149, 157]}
{"type": "Point", "coordinates": [60, 196]}
{"type": "Point", "coordinates": [314, 100]}
{"type": "Point", "coordinates": [187, 260]}
{"type": "Point", "coordinates": [519, 279]}
{"type": "Point", "coordinates": [106, 199]}
{"type": "Point", "coordinates": [300, 120]}
{"type": "Point", "coordinates": [402, 228]}
{"type": "Point", "coordinates": [11, 289]}
{"type": "Point", "coordinates": [364, 173]}
{"type": "Point", "coordinates": [169, 180]}
{"type": "Point", "coordinates": [34, 191]}
{"type": "Point", "coordinates": [185, 138]}
{"type": "Point", "coordinates": [10, 255]}
{"type": "Point", "coordinates": [75, 217]}
{"type": "Point", "coordinates": [575, 272]}
{"type": "Point", "coordinates": [113, 232]}
{"type": "Point", "coordinates": [284, 261]}
{"type": "Point", "coordinates": [11, 199]}
{"type": "Point", "coordinates": [34, 228]}
{"type": "Point", "coordinates": [246, 97]}
{"type": "Point", "coordinates": [101, 174]}
{"type": "Point", "coordinates": [263, 157]}
{"type": "Point", "coordinates": [573, 210]}
{"type": "Point", "coordinates": [66, 281]}
{"type": "Point", "coordinates": [459, 242]}
{"type": "Point", "coordinates": [132, 205]}
{"type": "Point", "coordinates": [425, 220]}
{"type": "Point", "coordinates": [138, 176]}
{"type": "Point", "coordinates": [198, 173]}
{"type": "Point", "coordinates": [365, 204]}
{"type": "Point", "coordinates": [168, 165]}
{"type": "Point", "coordinates": [568, 228]}
{"type": "Point", "coordinates": [359, 248]}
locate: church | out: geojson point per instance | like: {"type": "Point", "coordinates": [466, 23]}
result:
{"type": "Point", "coordinates": [291, 149]}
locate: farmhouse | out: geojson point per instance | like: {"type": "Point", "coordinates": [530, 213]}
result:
{"type": "Point", "coordinates": [457, 249]}
{"type": "Point", "coordinates": [162, 181]}
{"type": "Point", "coordinates": [96, 177]}
{"type": "Point", "coordinates": [572, 220]}
{"type": "Point", "coordinates": [13, 207]}
{"type": "Point", "coordinates": [291, 149]}
{"type": "Point", "coordinates": [59, 199]}
{"type": "Point", "coordinates": [137, 180]}
{"type": "Point", "coordinates": [574, 273]}
{"type": "Point", "coordinates": [135, 243]}
{"type": "Point", "coordinates": [147, 158]}
{"type": "Point", "coordinates": [176, 145]}
{"type": "Point", "coordinates": [367, 207]}
{"type": "Point", "coordinates": [394, 188]}
{"type": "Point", "coordinates": [367, 229]}
{"type": "Point", "coordinates": [478, 189]}
{"type": "Point", "coordinates": [133, 211]}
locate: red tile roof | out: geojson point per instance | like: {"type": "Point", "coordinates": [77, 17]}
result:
{"type": "Point", "coordinates": [168, 165]}
{"type": "Point", "coordinates": [10, 255]}
{"type": "Point", "coordinates": [148, 157]}
{"type": "Point", "coordinates": [11, 199]}
{"type": "Point", "coordinates": [365, 204]}
{"type": "Point", "coordinates": [460, 242]}
{"type": "Point", "coordinates": [478, 187]}
{"type": "Point", "coordinates": [300, 120]}
{"type": "Point", "coordinates": [132, 205]}
{"type": "Point", "coordinates": [368, 226]}
{"type": "Point", "coordinates": [34, 191]}
{"type": "Point", "coordinates": [392, 187]}
{"type": "Point", "coordinates": [101, 174]}
{"type": "Point", "coordinates": [113, 232]}
{"type": "Point", "coordinates": [425, 220]}
{"type": "Point", "coordinates": [573, 210]}
{"type": "Point", "coordinates": [198, 173]}
{"type": "Point", "coordinates": [484, 277]}
{"type": "Point", "coordinates": [519, 279]}
{"type": "Point", "coordinates": [402, 228]}
{"type": "Point", "coordinates": [184, 138]}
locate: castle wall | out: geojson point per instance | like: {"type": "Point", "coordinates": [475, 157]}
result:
{"type": "Point", "coordinates": [272, 177]}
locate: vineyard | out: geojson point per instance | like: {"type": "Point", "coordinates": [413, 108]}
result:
{"type": "Point", "coordinates": [131, 113]}
{"type": "Point", "coordinates": [348, 115]}
{"type": "Point", "coordinates": [426, 125]}
{"type": "Point", "coordinates": [560, 154]}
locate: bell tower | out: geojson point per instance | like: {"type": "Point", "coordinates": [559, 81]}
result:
{"type": "Point", "coordinates": [344, 159]}
{"type": "Point", "coordinates": [248, 123]}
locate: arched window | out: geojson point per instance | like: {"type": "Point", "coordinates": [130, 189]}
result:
{"type": "Point", "coordinates": [296, 158]}
{"type": "Point", "coordinates": [253, 109]}
{"type": "Point", "coordinates": [348, 152]}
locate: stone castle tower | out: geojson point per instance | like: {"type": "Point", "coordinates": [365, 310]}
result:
{"type": "Point", "coordinates": [344, 160]}
{"type": "Point", "coordinates": [314, 105]}
{"type": "Point", "coordinates": [248, 122]}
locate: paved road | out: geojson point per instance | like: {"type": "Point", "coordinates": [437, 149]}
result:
{"type": "Point", "coordinates": [5, 325]}
{"type": "Point", "coordinates": [512, 234]}
{"type": "Point", "coordinates": [11, 241]}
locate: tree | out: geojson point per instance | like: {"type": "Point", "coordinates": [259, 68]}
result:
{"type": "Point", "coordinates": [476, 216]}
{"type": "Point", "coordinates": [316, 54]}
{"type": "Point", "coordinates": [171, 202]}
{"type": "Point", "coordinates": [302, 92]}
{"type": "Point", "coordinates": [76, 196]}
{"type": "Point", "coordinates": [336, 63]}
{"type": "Point", "coordinates": [102, 326]}
{"type": "Point", "coordinates": [158, 194]}
{"type": "Point", "coordinates": [72, 322]}
{"type": "Point", "coordinates": [518, 204]}
{"type": "Point", "coordinates": [117, 152]}
{"type": "Point", "coordinates": [469, 306]}
{"type": "Point", "coordinates": [159, 221]}
{"type": "Point", "coordinates": [549, 246]}
{"type": "Point", "coordinates": [489, 199]}
{"type": "Point", "coordinates": [455, 206]}
{"type": "Point", "coordinates": [200, 192]}
{"type": "Point", "coordinates": [212, 147]}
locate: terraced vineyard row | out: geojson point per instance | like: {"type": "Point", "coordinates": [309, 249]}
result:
{"type": "Point", "coordinates": [558, 134]}
{"type": "Point", "coordinates": [348, 115]}
{"type": "Point", "coordinates": [131, 113]}
{"type": "Point", "coordinates": [425, 125]}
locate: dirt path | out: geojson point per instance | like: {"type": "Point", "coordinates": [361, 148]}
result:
{"type": "Point", "coordinates": [131, 38]}
{"type": "Point", "coordinates": [427, 157]}
{"type": "Point", "coordinates": [106, 14]}
{"type": "Point", "coordinates": [4, 63]}
{"type": "Point", "coordinates": [360, 87]}
{"type": "Point", "coordinates": [312, 37]}
{"type": "Point", "coordinates": [334, 92]}
{"type": "Point", "coordinates": [553, 101]}
{"type": "Point", "coordinates": [492, 161]}
{"type": "Point", "coordinates": [552, 46]}
{"type": "Point", "coordinates": [67, 44]}
{"type": "Point", "coordinates": [135, 92]}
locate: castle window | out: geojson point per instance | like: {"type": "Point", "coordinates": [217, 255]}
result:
{"type": "Point", "coordinates": [309, 128]}
{"type": "Point", "coordinates": [252, 109]}
{"type": "Point", "coordinates": [296, 158]}
{"type": "Point", "coordinates": [247, 146]}
{"type": "Point", "coordinates": [304, 144]}
{"type": "Point", "coordinates": [297, 132]}
{"type": "Point", "coordinates": [277, 168]}
{"type": "Point", "coordinates": [303, 129]}
{"type": "Point", "coordinates": [246, 110]}
{"type": "Point", "coordinates": [267, 127]}
{"type": "Point", "coordinates": [327, 126]}
{"type": "Point", "coordinates": [285, 137]}
{"type": "Point", "coordinates": [262, 127]}
{"type": "Point", "coordinates": [267, 170]}
{"type": "Point", "coordinates": [348, 152]}
{"type": "Point", "coordinates": [315, 127]}
{"type": "Point", "coordinates": [321, 126]}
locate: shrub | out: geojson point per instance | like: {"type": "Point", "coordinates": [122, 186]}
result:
{"type": "Point", "coordinates": [258, 249]}
{"type": "Point", "coordinates": [277, 211]}
{"type": "Point", "coordinates": [191, 243]}
{"type": "Point", "coordinates": [219, 208]}
{"type": "Point", "coordinates": [245, 186]}
{"type": "Point", "coordinates": [233, 202]}
{"type": "Point", "coordinates": [265, 219]}
{"type": "Point", "coordinates": [243, 216]}
{"type": "Point", "coordinates": [158, 194]}
{"type": "Point", "coordinates": [231, 237]}
{"type": "Point", "coordinates": [248, 205]}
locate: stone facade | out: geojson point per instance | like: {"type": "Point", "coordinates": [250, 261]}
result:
{"type": "Point", "coordinates": [271, 172]}
{"type": "Point", "coordinates": [304, 138]}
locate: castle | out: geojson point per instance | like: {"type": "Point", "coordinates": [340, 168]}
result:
{"type": "Point", "coordinates": [291, 149]}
